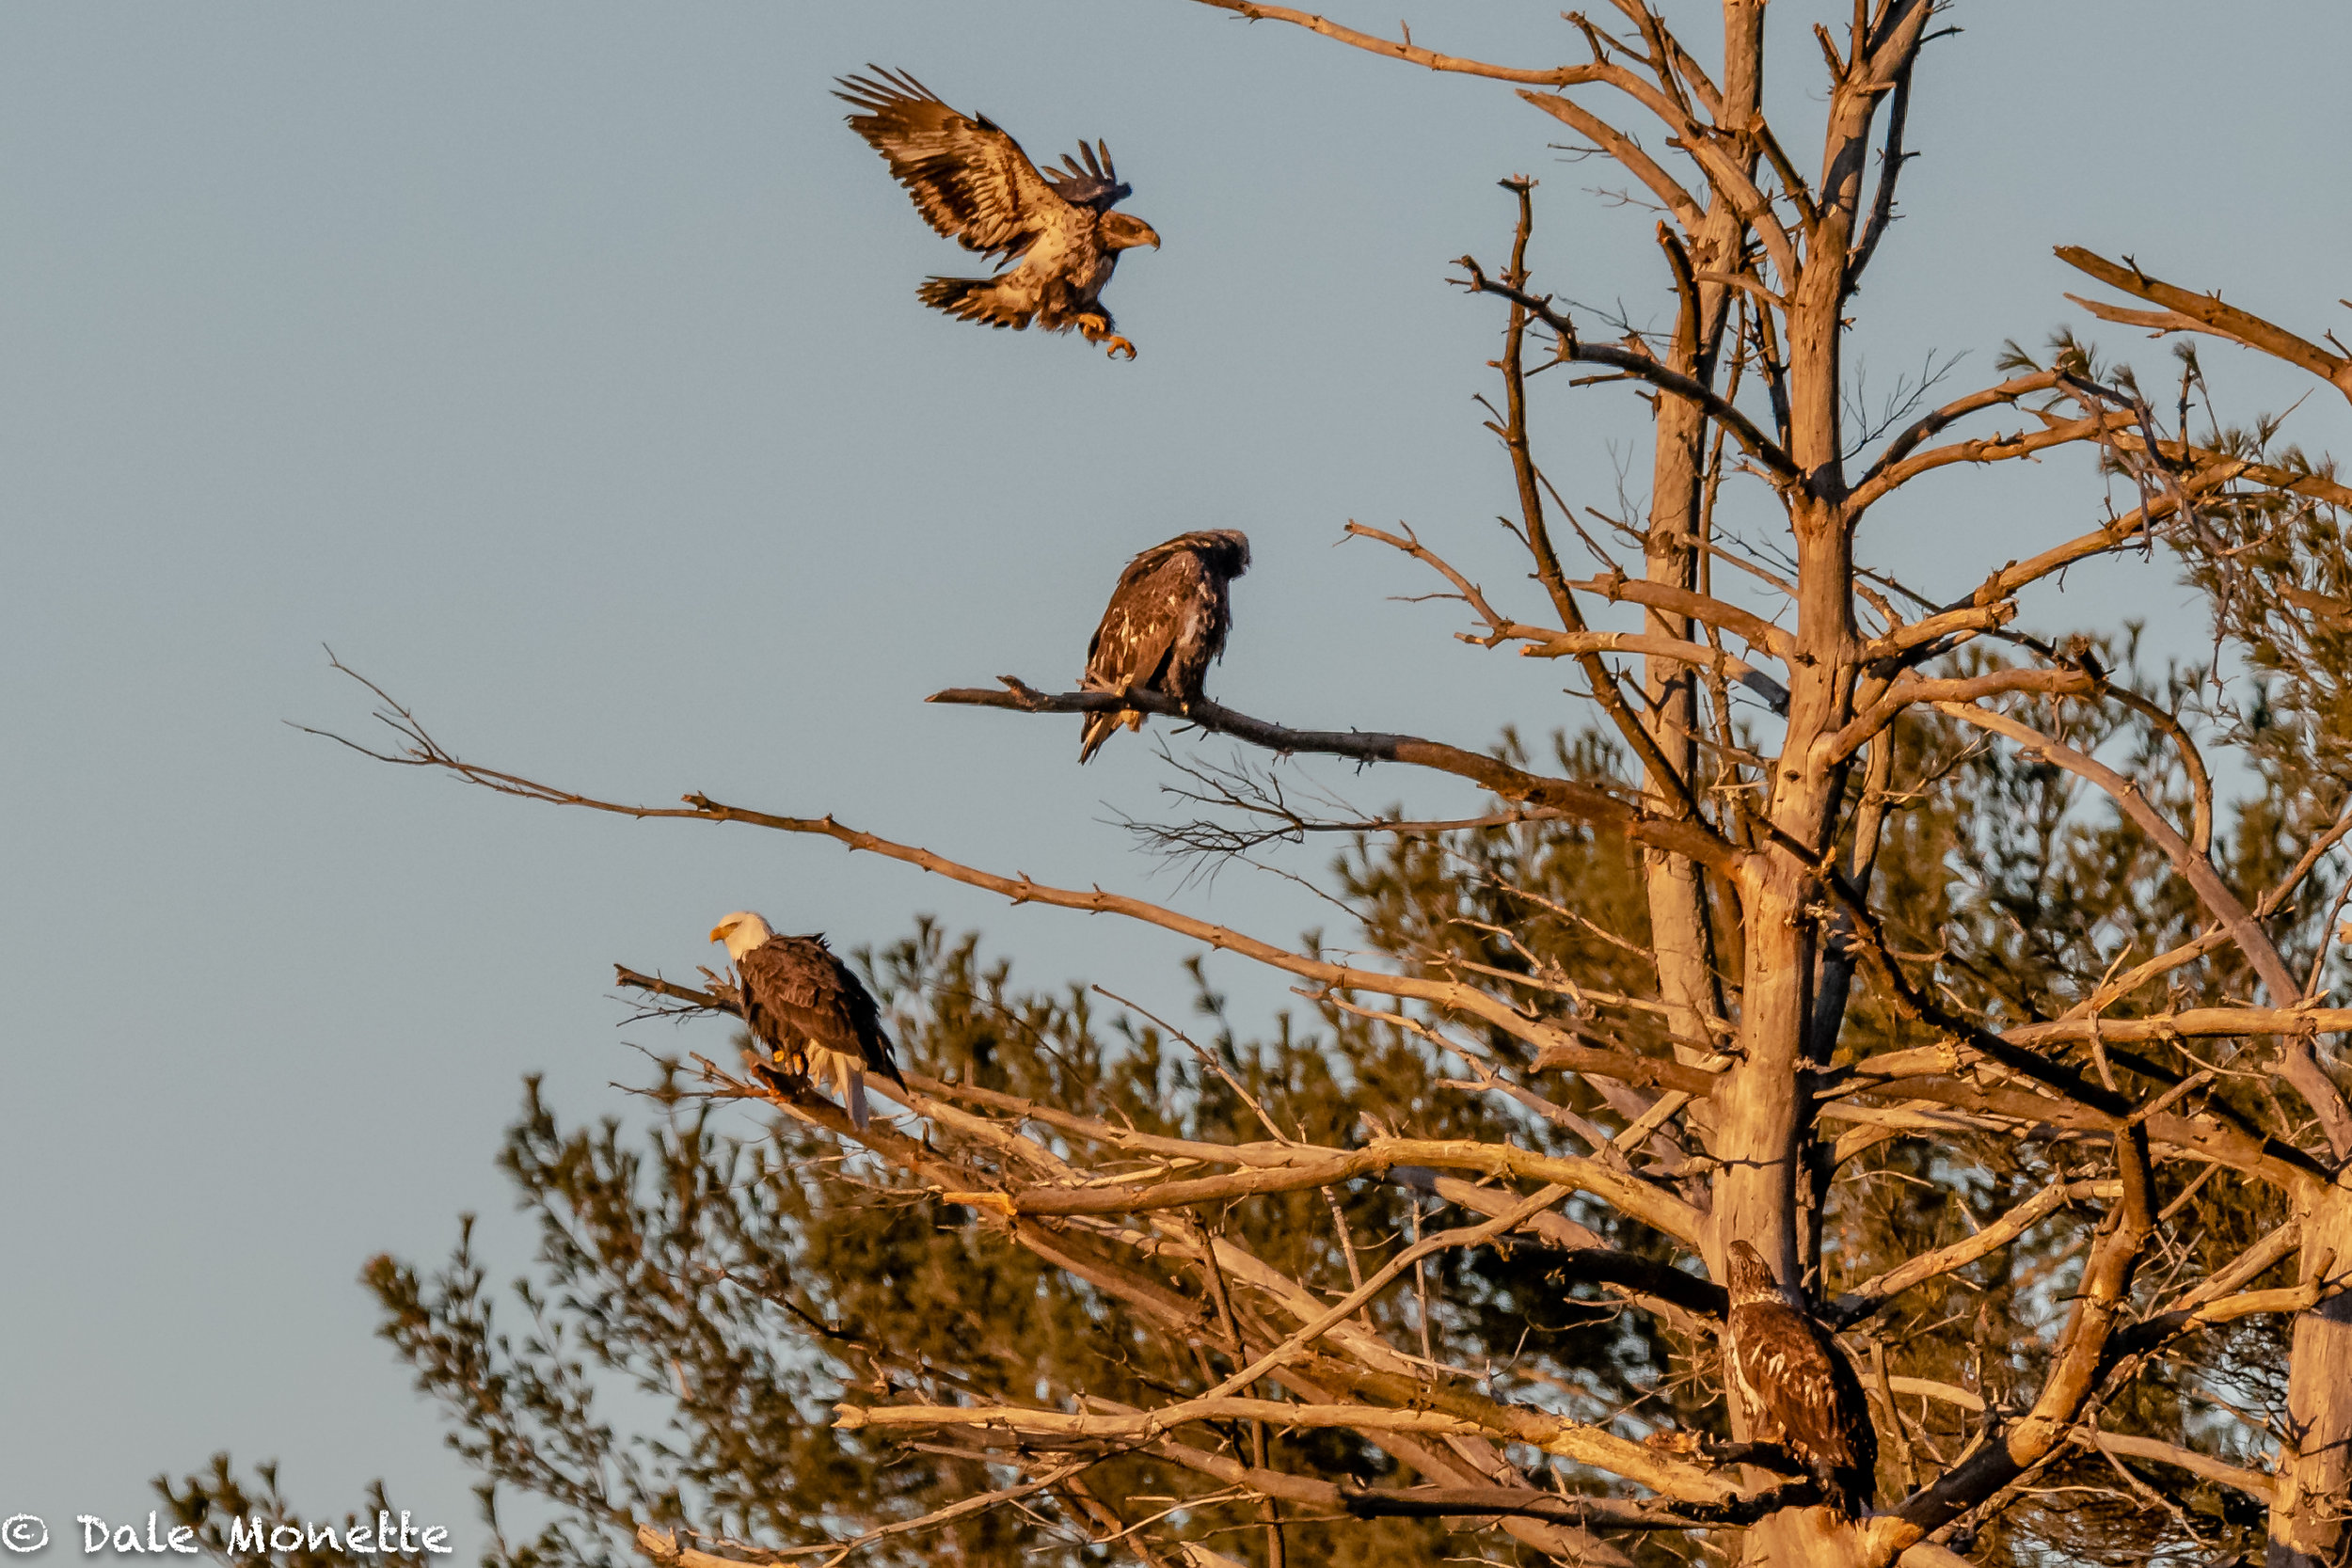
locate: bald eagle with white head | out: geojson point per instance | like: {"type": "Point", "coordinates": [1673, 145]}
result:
{"type": "Point", "coordinates": [1164, 625]}
{"type": "Point", "coordinates": [811, 1015]}
{"type": "Point", "coordinates": [1798, 1387]}
{"type": "Point", "coordinates": [972, 182]}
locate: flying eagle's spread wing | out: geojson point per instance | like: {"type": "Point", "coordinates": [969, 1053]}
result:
{"type": "Point", "coordinates": [798, 996]}
{"type": "Point", "coordinates": [1096, 186]}
{"type": "Point", "coordinates": [1802, 1392]}
{"type": "Point", "coordinates": [970, 179]}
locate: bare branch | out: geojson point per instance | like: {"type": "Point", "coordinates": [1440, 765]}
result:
{"type": "Point", "coordinates": [1543, 643]}
{"type": "Point", "coordinates": [1682, 836]}
{"type": "Point", "coordinates": [1756, 444]}
{"type": "Point", "coordinates": [2206, 313]}
{"type": "Point", "coordinates": [1752, 629]}
{"type": "Point", "coordinates": [1875, 1292]}
{"type": "Point", "coordinates": [1409, 52]}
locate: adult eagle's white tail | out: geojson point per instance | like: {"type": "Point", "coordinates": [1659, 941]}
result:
{"type": "Point", "coordinates": [848, 1079]}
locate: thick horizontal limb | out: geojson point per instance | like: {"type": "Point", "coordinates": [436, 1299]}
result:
{"type": "Point", "coordinates": [2226, 470]}
{"type": "Point", "coordinates": [2130, 528]}
{"type": "Point", "coordinates": [1318, 1167]}
{"type": "Point", "coordinates": [1912, 637]}
{"type": "Point", "coordinates": [2207, 1136]}
{"type": "Point", "coordinates": [2190, 311]}
{"type": "Point", "coordinates": [1410, 53]}
{"type": "Point", "coordinates": [1553, 1434]}
{"type": "Point", "coordinates": [1946, 1074]}
{"type": "Point", "coordinates": [1481, 1501]}
{"type": "Point", "coordinates": [2002, 396]}
{"type": "Point", "coordinates": [2254, 1483]}
{"type": "Point", "coordinates": [1902, 462]}
{"type": "Point", "coordinates": [1945, 693]}
{"type": "Point", "coordinates": [1883, 481]}
{"type": "Point", "coordinates": [1268, 1167]}
{"type": "Point", "coordinates": [1752, 629]}
{"type": "Point", "coordinates": [2190, 1023]}
{"type": "Point", "coordinates": [1682, 836]}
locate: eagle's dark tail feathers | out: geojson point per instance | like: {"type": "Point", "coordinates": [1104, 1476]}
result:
{"type": "Point", "coordinates": [972, 299]}
{"type": "Point", "coordinates": [1099, 727]}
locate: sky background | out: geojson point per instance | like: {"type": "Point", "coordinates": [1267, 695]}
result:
{"type": "Point", "coordinates": [561, 369]}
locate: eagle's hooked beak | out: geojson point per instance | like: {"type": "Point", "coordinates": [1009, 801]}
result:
{"type": "Point", "coordinates": [718, 933]}
{"type": "Point", "coordinates": [1125, 231]}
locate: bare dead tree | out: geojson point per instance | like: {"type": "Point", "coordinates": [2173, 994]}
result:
{"type": "Point", "coordinates": [1800, 1019]}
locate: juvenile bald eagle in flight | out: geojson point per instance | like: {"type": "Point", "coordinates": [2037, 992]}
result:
{"type": "Point", "coordinates": [1799, 1388]}
{"type": "Point", "coordinates": [1164, 625]}
{"type": "Point", "coordinates": [973, 184]}
{"type": "Point", "coordinates": [808, 1011]}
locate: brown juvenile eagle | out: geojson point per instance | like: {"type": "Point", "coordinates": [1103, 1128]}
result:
{"type": "Point", "coordinates": [1164, 625]}
{"type": "Point", "coordinates": [1799, 1389]}
{"type": "Point", "coordinates": [973, 184]}
{"type": "Point", "coordinates": [807, 1009]}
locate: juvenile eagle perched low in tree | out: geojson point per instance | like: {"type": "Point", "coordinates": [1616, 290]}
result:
{"type": "Point", "coordinates": [809, 1012]}
{"type": "Point", "coordinates": [1165, 625]}
{"type": "Point", "coordinates": [973, 184]}
{"type": "Point", "coordinates": [1799, 1388]}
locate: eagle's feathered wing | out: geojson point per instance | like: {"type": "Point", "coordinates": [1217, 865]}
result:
{"type": "Point", "coordinates": [972, 182]}
{"type": "Point", "coordinates": [1164, 625]}
{"type": "Point", "coordinates": [968, 178]}
{"type": "Point", "coordinates": [1803, 1393]}
{"type": "Point", "coordinates": [801, 1001]}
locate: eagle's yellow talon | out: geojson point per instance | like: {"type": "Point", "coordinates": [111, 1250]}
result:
{"type": "Point", "coordinates": [1110, 350]}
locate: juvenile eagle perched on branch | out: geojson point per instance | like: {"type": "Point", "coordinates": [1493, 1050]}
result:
{"type": "Point", "coordinates": [973, 184]}
{"type": "Point", "coordinates": [807, 1009]}
{"type": "Point", "coordinates": [1165, 625]}
{"type": "Point", "coordinates": [1799, 1388]}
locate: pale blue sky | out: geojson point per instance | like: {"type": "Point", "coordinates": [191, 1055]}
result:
{"type": "Point", "coordinates": [561, 368]}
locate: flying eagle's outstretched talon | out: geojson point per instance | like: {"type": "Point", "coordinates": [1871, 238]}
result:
{"type": "Point", "coordinates": [974, 184]}
{"type": "Point", "coordinates": [1164, 625]}
{"type": "Point", "coordinates": [1115, 343]}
